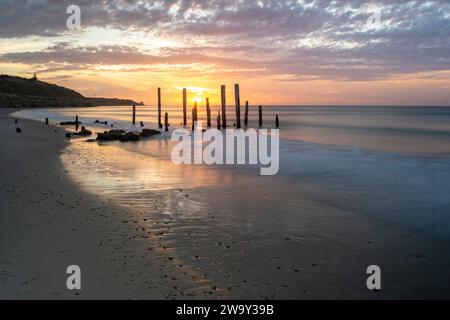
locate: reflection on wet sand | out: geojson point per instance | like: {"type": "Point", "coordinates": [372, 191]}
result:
{"type": "Point", "coordinates": [129, 179]}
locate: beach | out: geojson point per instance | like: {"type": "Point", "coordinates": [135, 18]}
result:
{"type": "Point", "coordinates": [236, 239]}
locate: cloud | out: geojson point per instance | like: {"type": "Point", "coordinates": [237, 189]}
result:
{"type": "Point", "coordinates": [304, 39]}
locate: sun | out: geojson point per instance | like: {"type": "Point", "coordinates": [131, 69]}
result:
{"type": "Point", "coordinates": [197, 99]}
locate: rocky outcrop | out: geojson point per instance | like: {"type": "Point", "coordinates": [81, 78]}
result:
{"type": "Point", "coordinates": [83, 132]}
{"type": "Point", "coordinates": [130, 136]}
{"type": "Point", "coordinates": [110, 135]}
{"type": "Point", "coordinates": [124, 136]}
{"type": "Point", "coordinates": [147, 133]}
{"type": "Point", "coordinates": [16, 92]}
{"type": "Point", "coordinates": [69, 123]}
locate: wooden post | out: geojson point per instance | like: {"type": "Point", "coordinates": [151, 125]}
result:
{"type": "Point", "coordinates": [224, 106]}
{"type": "Point", "coordinates": [76, 123]}
{"type": "Point", "coordinates": [46, 121]}
{"type": "Point", "coordinates": [142, 123]}
{"type": "Point", "coordinates": [166, 122]}
{"type": "Point", "coordinates": [246, 114]}
{"type": "Point", "coordinates": [277, 121]}
{"type": "Point", "coordinates": [195, 112]}
{"type": "Point", "coordinates": [184, 107]}
{"type": "Point", "coordinates": [218, 120]}
{"type": "Point", "coordinates": [134, 115]}
{"type": "Point", "coordinates": [260, 117]}
{"type": "Point", "coordinates": [208, 114]}
{"type": "Point", "coordinates": [237, 99]}
{"type": "Point", "coordinates": [194, 115]}
{"type": "Point", "coordinates": [159, 108]}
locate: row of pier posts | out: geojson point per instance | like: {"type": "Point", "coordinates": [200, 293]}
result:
{"type": "Point", "coordinates": [221, 116]}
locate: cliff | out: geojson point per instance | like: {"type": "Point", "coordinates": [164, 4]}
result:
{"type": "Point", "coordinates": [16, 92]}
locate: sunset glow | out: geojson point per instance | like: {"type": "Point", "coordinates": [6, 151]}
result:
{"type": "Point", "coordinates": [320, 52]}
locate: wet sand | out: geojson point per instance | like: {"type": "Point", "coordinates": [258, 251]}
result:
{"type": "Point", "coordinates": [190, 243]}
{"type": "Point", "coordinates": [48, 223]}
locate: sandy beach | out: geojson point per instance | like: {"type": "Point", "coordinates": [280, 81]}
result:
{"type": "Point", "coordinates": [189, 243]}
{"type": "Point", "coordinates": [48, 224]}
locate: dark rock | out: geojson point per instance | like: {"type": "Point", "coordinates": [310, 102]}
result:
{"type": "Point", "coordinates": [110, 135]}
{"type": "Point", "coordinates": [130, 136]}
{"type": "Point", "coordinates": [69, 123]}
{"type": "Point", "coordinates": [84, 132]}
{"type": "Point", "coordinates": [18, 130]}
{"type": "Point", "coordinates": [146, 133]}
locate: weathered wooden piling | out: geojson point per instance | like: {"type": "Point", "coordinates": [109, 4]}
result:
{"type": "Point", "coordinates": [134, 115]}
{"type": "Point", "coordinates": [224, 106]}
{"type": "Point", "coordinates": [195, 112]}
{"type": "Point", "coordinates": [166, 122]}
{"type": "Point", "coordinates": [194, 115]}
{"type": "Point", "coordinates": [46, 121]}
{"type": "Point", "coordinates": [159, 108]}
{"type": "Point", "coordinates": [208, 113]}
{"type": "Point", "coordinates": [237, 99]}
{"type": "Point", "coordinates": [260, 117]}
{"type": "Point", "coordinates": [277, 121]}
{"type": "Point", "coordinates": [246, 114]}
{"type": "Point", "coordinates": [184, 107]}
{"type": "Point", "coordinates": [218, 120]}
{"type": "Point", "coordinates": [76, 123]}
{"type": "Point", "coordinates": [193, 119]}
{"type": "Point", "coordinates": [142, 123]}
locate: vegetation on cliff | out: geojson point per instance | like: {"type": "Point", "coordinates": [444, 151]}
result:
{"type": "Point", "coordinates": [17, 92]}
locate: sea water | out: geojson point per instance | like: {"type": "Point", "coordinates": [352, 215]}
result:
{"type": "Point", "coordinates": [388, 163]}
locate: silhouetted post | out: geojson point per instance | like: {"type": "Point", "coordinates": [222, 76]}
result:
{"type": "Point", "coordinates": [224, 106]}
{"type": "Point", "coordinates": [246, 114]}
{"type": "Point", "coordinates": [15, 121]}
{"type": "Point", "coordinates": [277, 121]}
{"type": "Point", "coordinates": [208, 113]}
{"type": "Point", "coordinates": [184, 107]}
{"type": "Point", "coordinates": [159, 108]}
{"type": "Point", "coordinates": [194, 115]}
{"type": "Point", "coordinates": [142, 123]}
{"type": "Point", "coordinates": [218, 120]}
{"type": "Point", "coordinates": [260, 117]}
{"type": "Point", "coordinates": [134, 115]}
{"type": "Point", "coordinates": [76, 123]}
{"type": "Point", "coordinates": [46, 121]}
{"type": "Point", "coordinates": [237, 99]}
{"type": "Point", "coordinates": [166, 122]}
{"type": "Point", "coordinates": [195, 112]}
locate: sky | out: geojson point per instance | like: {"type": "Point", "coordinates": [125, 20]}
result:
{"type": "Point", "coordinates": [312, 52]}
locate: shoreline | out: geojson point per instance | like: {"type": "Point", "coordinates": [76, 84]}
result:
{"type": "Point", "coordinates": [49, 223]}
{"type": "Point", "coordinates": [42, 215]}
